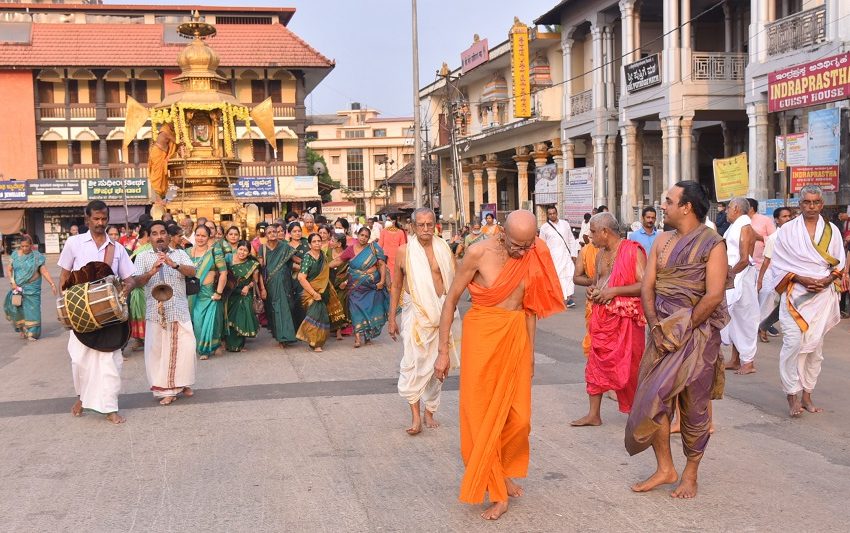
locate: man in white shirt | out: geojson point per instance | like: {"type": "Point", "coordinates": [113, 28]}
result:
{"type": "Point", "coordinates": [584, 232]}
{"type": "Point", "coordinates": [97, 374]}
{"type": "Point", "coordinates": [375, 236]}
{"type": "Point", "coordinates": [558, 236]}
{"type": "Point", "coordinates": [768, 299]}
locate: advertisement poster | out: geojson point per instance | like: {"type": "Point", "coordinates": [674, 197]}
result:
{"type": "Point", "coordinates": [793, 151]}
{"type": "Point", "coordinates": [520, 65]}
{"type": "Point", "coordinates": [818, 82]}
{"type": "Point", "coordinates": [13, 191]}
{"type": "Point", "coordinates": [731, 177]}
{"type": "Point", "coordinates": [52, 190]}
{"type": "Point", "coordinates": [546, 184]}
{"type": "Point", "coordinates": [766, 207]}
{"type": "Point", "coordinates": [824, 140]}
{"type": "Point", "coordinates": [488, 209]}
{"type": "Point", "coordinates": [578, 197]}
{"type": "Point", "coordinates": [825, 177]}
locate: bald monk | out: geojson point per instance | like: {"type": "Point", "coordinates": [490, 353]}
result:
{"type": "Point", "coordinates": [513, 282]}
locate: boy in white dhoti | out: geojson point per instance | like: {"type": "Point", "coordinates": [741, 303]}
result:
{"type": "Point", "coordinates": [169, 336]}
{"type": "Point", "coordinates": [424, 270]}
{"type": "Point", "coordinates": [558, 236]}
{"type": "Point", "coordinates": [742, 299]}
{"type": "Point", "coordinates": [96, 373]}
{"type": "Point", "coordinates": [808, 260]}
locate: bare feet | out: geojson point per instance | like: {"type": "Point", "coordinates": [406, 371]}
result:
{"type": "Point", "coordinates": [514, 490]}
{"type": "Point", "coordinates": [746, 368]}
{"type": "Point", "coordinates": [317, 349]}
{"type": "Point", "coordinates": [687, 489]}
{"type": "Point", "coordinates": [795, 408]}
{"type": "Point", "coordinates": [808, 404]}
{"type": "Point", "coordinates": [675, 427]}
{"type": "Point", "coordinates": [587, 421]}
{"type": "Point", "coordinates": [763, 336]}
{"type": "Point", "coordinates": [115, 418]}
{"type": "Point", "coordinates": [204, 357]}
{"type": "Point", "coordinates": [430, 421]}
{"type": "Point", "coordinates": [188, 392]}
{"type": "Point", "coordinates": [357, 340]}
{"type": "Point", "coordinates": [732, 365]}
{"type": "Point", "coordinates": [660, 477]}
{"type": "Point", "coordinates": [168, 400]}
{"type": "Point", "coordinates": [77, 408]}
{"type": "Point", "coordinates": [415, 427]}
{"type": "Point", "coordinates": [495, 511]}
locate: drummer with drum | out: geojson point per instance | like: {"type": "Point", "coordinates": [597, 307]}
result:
{"type": "Point", "coordinates": [96, 358]}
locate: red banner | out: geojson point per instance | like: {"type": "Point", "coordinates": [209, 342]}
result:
{"type": "Point", "coordinates": [825, 177]}
{"type": "Point", "coordinates": [818, 82]}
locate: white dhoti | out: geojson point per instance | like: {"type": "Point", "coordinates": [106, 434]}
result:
{"type": "Point", "coordinates": [563, 247]}
{"type": "Point", "coordinates": [169, 357]}
{"type": "Point", "coordinates": [742, 329]}
{"type": "Point", "coordinates": [808, 317]}
{"type": "Point", "coordinates": [420, 325]}
{"type": "Point", "coordinates": [97, 376]}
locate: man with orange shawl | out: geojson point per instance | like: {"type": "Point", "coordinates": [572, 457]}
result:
{"type": "Point", "coordinates": [161, 151]}
{"type": "Point", "coordinates": [513, 282]}
{"type": "Point", "coordinates": [616, 325]}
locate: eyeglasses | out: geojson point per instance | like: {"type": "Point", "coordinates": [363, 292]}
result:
{"type": "Point", "coordinates": [425, 225]}
{"type": "Point", "coordinates": [524, 248]}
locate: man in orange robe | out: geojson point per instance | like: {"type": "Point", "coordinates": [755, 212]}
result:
{"type": "Point", "coordinates": [513, 282]}
{"type": "Point", "coordinates": [161, 151]}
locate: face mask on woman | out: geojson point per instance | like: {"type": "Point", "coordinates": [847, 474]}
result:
{"type": "Point", "coordinates": [339, 231]}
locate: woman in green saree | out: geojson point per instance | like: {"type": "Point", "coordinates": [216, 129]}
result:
{"type": "Point", "coordinates": [276, 258]}
{"type": "Point", "coordinates": [227, 245]}
{"type": "Point", "coordinates": [244, 275]}
{"type": "Point", "coordinates": [319, 303]}
{"type": "Point", "coordinates": [25, 271]}
{"type": "Point", "coordinates": [207, 313]}
{"type": "Point", "coordinates": [137, 304]}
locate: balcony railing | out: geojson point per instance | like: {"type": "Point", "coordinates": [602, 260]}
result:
{"type": "Point", "coordinates": [261, 169]}
{"type": "Point", "coordinates": [717, 66]}
{"type": "Point", "coordinates": [796, 31]}
{"type": "Point", "coordinates": [55, 172]}
{"type": "Point", "coordinates": [116, 110]}
{"type": "Point", "coordinates": [87, 111]}
{"type": "Point", "coordinates": [123, 170]}
{"type": "Point", "coordinates": [581, 103]}
{"type": "Point", "coordinates": [284, 110]}
{"type": "Point", "coordinates": [51, 111]}
{"type": "Point", "coordinates": [85, 172]}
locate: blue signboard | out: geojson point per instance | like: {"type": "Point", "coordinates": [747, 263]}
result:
{"type": "Point", "coordinates": [13, 191]}
{"type": "Point", "coordinates": [766, 207]}
{"type": "Point", "coordinates": [824, 137]}
{"type": "Point", "coordinates": [254, 187]}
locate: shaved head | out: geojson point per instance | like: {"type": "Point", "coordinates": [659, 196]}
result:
{"type": "Point", "coordinates": [521, 225]}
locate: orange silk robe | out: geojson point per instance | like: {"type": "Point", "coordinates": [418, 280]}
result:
{"type": "Point", "coordinates": [589, 260]}
{"type": "Point", "coordinates": [495, 374]}
{"type": "Point", "coordinates": [158, 167]}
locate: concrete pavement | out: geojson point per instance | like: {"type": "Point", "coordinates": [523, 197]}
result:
{"type": "Point", "coordinates": [289, 440]}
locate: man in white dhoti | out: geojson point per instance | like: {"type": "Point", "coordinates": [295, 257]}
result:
{"type": "Point", "coordinates": [742, 299]}
{"type": "Point", "coordinates": [558, 236]}
{"type": "Point", "coordinates": [169, 336]}
{"type": "Point", "coordinates": [807, 262]}
{"type": "Point", "coordinates": [768, 299]}
{"type": "Point", "coordinates": [424, 270]}
{"type": "Point", "coordinates": [97, 374]}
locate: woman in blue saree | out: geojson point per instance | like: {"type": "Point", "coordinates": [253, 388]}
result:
{"type": "Point", "coordinates": [25, 271]}
{"type": "Point", "coordinates": [206, 306]}
{"type": "Point", "coordinates": [368, 297]}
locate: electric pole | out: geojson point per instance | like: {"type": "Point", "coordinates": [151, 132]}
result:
{"type": "Point", "coordinates": [417, 120]}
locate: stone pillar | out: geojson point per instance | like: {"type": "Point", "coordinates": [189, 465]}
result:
{"type": "Point", "coordinates": [665, 156]}
{"type": "Point", "coordinates": [673, 151]}
{"type": "Point", "coordinates": [628, 140]}
{"type": "Point", "coordinates": [599, 192]}
{"type": "Point", "coordinates": [609, 66]}
{"type": "Point", "coordinates": [300, 123]}
{"type": "Point", "coordinates": [758, 42]}
{"type": "Point", "coordinates": [628, 44]}
{"type": "Point", "coordinates": [638, 168]}
{"type": "Point", "coordinates": [686, 39]}
{"type": "Point", "coordinates": [522, 158]}
{"type": "Point", "coordinates": [541, 157]}
{"type": "Point", "coordinates": [686, 151]}
{"type": "Point", "coordinates": [636, 39]}
{"type": "Point", "coordinates": [728, 139]}
{"type": "Point", "coordinates": [569, 154]}
{"type": "Point", "coordinates": [566, 50]}
{"type": "Point", "coordinates": [611, 172]}
{"type": "Point", "coordinates": [491, 167]}
{"type": "Point", "coordinates": [477, 183]}
{"type": "Point", "coordinates": [671, 68]}
{"type": "Point", "coordinates": [103, 156]}
{"type": "Point", "coordinates": [757, 151]}
{"type": "Point", "coordinates": [100, 98]}
{"type": "Point", "coordinates": [727, 27]}
{"type": "Point", "coordinates": [558, 158]}
{"type": "Point", "coordinates": [695, 156]}
{"type": "Point", "coordinates": [598, 85]}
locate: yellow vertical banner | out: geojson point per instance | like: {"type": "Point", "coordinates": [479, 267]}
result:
{"type": "Point", "coordinates": [731, 177]}
{"type": "Point", "coordinates": [520, 65]}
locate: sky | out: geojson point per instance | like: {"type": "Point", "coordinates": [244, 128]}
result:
{"type": "Point", "coordinates": [370, 40]}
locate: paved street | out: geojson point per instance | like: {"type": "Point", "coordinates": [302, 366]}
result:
{"type": "Point", "coordinates": [295, 441]}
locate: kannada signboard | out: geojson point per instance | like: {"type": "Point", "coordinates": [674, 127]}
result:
{"type": "Point", "coordinates": [824, 139]}
{"type": "Point", "coordinates": [578, 198]}
{"type": "Point", "coordinates": [643, 74]}
{"type": "Point", "coordinates": [825, 177]}
{"type": "Point", "coordinates": [254, 187]}
{"type": "Point", "coordinates": [113, 188]}
{"type": "Point", "coordinates": [546, 184]}
{"type": "Point", "coordinates": [52, 190]}
{"type": "Point", "coordinates": [791, 151]}
{"type": "Point", "coordinates": [299, 186]}
{"type": "Point", "coordinates": [13, 191]}
{"type": "Point", "coordinates": [521, 70]}
{"type": "Point", "coordinates": [731, 177]}
{"type": "Point", "coordinates": [818, 82]}
{"type": "Point", "coordinates": [475, 55]}
{"type": "Point", "coordinates": [766, 207]}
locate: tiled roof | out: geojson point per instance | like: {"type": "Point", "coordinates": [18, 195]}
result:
{"type": "Point", "coordinates": [141, 45]}
{"type": "Point", "coordinates": [404, 176]}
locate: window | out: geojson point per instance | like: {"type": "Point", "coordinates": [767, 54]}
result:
{"type": "Point", "coordinates": [45, 92]}
{"type": "Point", "coordinates": [354, 167]}
{"type": "Point", "coordinates": [334, 159]}
{"type": "Point", "coordinates": [379, 133]}
{"type": "Point", "coordinates": [73, 92]}
{"type": "Point", "coordinates": [76, 152]}
{"type": "Point", "coordinates": [258, 148]}
{"type": "Point", "coordinates": [113, 92]}
{"type": "Point", "coordinates": [49, 153]}
{"type": "Point", "coordinates": [311, 136]}
{"type": "Point", "coordinates": [407, 132]}
{"type": "Point", "coordinates": [406, 158]}
{"type": "Point", "coordinates": [355, 134]}
{"type": "Point", "coordinates": [407, 194]}
{"type": "Point", "coordinates": [258, 91]}
{"type": "Point", "coordinates": [379, 159]}
{"type": "Point", "coordinates": [275, 91]}
{"type": "Point", "coordinates": [359, 206]}
{"type": "Point", "coordinates": [144, 150]}
{"type": "Point", "coordinates": [140, 91]}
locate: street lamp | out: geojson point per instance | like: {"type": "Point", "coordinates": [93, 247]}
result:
{"type": "Point", "coordinates": [386, 162]}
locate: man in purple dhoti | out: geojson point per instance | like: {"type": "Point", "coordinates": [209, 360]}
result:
{"type": "Point", "coordinates": [683, 297]}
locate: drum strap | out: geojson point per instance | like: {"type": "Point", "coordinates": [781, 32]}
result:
{"type": "Point", "coordinates": [109, 255]}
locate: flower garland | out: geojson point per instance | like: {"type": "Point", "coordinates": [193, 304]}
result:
{"type": "Point", "coordinates": [176, 115]}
